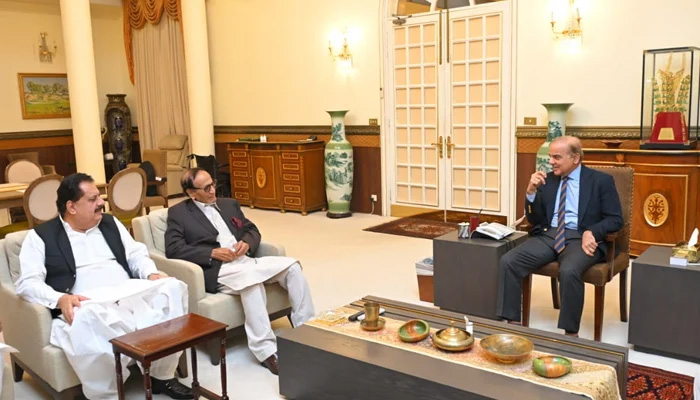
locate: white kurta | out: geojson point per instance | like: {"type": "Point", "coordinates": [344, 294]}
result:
{"type": "Point", "coordinates": [246, 276]}
{"type": "Point", "coordinates": [244, 271]}
{"type": "Point", "coordinates": [117, 305]}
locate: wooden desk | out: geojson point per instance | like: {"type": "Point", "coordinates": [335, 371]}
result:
{"type": "Point", "coordinates": [279, 175]}
{"type": "Point", "coordinates": [160, 340]}
{"type": "Point", "coordinates": [466, 272]}
{"type": "Point", "coordinates": [319, 364]}
{"type": "Point", "coordinates": [664, 313]}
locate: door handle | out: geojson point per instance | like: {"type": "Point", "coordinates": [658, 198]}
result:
{"type": "Point", "coordinates": [449, 146]}
{"type": "Point", "coordinates": [438, 145]}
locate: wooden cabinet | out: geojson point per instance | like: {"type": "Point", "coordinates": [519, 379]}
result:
{"type": "Point", "coordinates": [279, 175]}
{"type": "Point", "coordinates": [666, 205]}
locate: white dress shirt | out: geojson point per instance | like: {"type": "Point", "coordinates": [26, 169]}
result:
{"type": "Point", "coordinates": [213, 214]}
{"type": "Point", "coordinates": [95, 264]}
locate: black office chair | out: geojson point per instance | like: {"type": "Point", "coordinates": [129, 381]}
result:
{"type": "Point", "coordinates": [209, 164]}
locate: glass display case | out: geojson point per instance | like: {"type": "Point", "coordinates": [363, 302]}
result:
{"type": "Point", "coordinates": [670, 91]}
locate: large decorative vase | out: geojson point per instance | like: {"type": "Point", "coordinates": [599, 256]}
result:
{"type": "Point", "coordinates": [556, 113]}
{"type": "Point", "coordinates": [118, 121]}
{"type": "Point", "coordinates": [339, 168]}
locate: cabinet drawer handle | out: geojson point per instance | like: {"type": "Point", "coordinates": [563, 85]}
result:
{"type": "Point", "coordinates": [295, 201]}
{"type": "Point", "coordinates": [242, 196]}
{"type": "Point", "coordinates": [240, 164]}
{"type": "Point", "coordinates": [241, 174]}
{"type": "Point", "coordinates": [290, 177]}
{"type": "Point", "coordinates": [239, 154]}
{"type": "Point", "coordinates": [290, 156]}
{"type": "Point", "coordinates": [240, 184]}
{"type": "Point", "coordinates": [292, 188]}
{"type": "Point", "coordinates": [290, 167]}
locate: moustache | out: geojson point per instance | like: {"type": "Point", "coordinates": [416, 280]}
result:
{"type": "Point", "coordinates": [100, 208]}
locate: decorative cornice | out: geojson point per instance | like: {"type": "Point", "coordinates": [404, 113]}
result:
{"type": "Point", "coordinates": [295, 129]}
{"type": "Point", "coordinates": [583, 132]}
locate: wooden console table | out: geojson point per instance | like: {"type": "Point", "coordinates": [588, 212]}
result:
{"type": "Point", "coordinates": [666, 204]}
{"type": "Point", "coordinates": [279, 175]}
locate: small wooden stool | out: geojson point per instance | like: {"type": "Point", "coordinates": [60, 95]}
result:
{"type": "Point", "coordinates": [155, 342]}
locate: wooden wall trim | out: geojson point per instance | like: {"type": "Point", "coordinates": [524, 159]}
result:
{"type": "Point", "coordinates": [35, 134]}
{"type": "Point", "coordinates": [13, 144]}
{"type": "Point", "coordinates": [355, 140]}
{"type": "Point", "coordinates": [295, 129]}
{"type": "Point", "coordinates": [583, 132]}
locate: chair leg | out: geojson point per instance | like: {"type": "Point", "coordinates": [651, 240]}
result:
{"type": "Point", "coordinates": [623, 295]}
{"type": "Point", "coordinates": [214, 350]}
{"type": "Point", "coordinates": [17, 372]}
{"type": "Point", "coordinates": [527, 295]}
{"type": "Point", "coordinates": [181, 370]}
{"type": "Point", "coordinates": [599, 309]}
{"type": "Point", "coordinates": [555, 293]}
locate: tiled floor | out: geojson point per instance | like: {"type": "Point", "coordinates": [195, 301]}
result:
{"type": "Point", "coordinates": [343, 263]}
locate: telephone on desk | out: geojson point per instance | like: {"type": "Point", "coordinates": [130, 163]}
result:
{"type": "Point", "coordinates": [494, 230]}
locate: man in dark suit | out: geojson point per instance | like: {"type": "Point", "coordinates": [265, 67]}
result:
{"type": "Point", "coordinates": [213, 233]}
{"type": "Point", "coordinates": [571, 210]}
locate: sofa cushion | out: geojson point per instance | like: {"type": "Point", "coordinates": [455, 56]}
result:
{"type": "Point", "coordinates": [159, 223]}
{"type": "Point", "coordinates": [13, 244]}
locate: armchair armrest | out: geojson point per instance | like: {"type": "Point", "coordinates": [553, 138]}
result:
{"type": "Point", "coordinates": [26, 326]}
{"type": "Point", "coordinates": [48, 169]}
{"type": "Point", "coordinates": [612, 236]}
{"type": "Point", "coordinates": [187, 272]}
{"type": "Point", "coordinates": [269, 249]}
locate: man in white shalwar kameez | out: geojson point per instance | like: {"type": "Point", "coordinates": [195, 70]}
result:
{"type": "Point", "coordinates": [215, 234]}
{"type": "Point", "coordinates": [99, 284]}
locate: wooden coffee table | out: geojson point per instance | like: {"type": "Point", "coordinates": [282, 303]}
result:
{"type": "Point", "coordinates": [169, 337]}
{"type": "Point", "coordinates": [316, 364]}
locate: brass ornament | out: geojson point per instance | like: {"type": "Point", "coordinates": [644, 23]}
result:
{"type": "Point", "coordinates": [260, 177]}
{"type": "Point", "coordinates": [656, 209]}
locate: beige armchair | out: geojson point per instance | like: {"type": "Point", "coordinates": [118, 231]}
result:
{"type": "Point", "coordinates": [150, 229]}
{"type": "Point", "coordinates": [27, 326]}
{"type": "Point", "coordinates": [176, 148]}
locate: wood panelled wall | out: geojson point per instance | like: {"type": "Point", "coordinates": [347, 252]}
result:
{"type": "Point", "coordinates": [366, 152]}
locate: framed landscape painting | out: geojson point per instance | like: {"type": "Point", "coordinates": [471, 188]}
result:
{"type": "Point", "coordinates": [44, 96]}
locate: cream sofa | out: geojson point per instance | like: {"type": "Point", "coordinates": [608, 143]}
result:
{"type": "Point", "coordinates": [27, 326]}
{"type": "Point", "coordinates": [150, 229]}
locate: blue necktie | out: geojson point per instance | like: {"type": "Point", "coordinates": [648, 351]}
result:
{"type": "Point", "coordinates": [560, 238]}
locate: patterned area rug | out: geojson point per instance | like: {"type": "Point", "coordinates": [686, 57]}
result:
{"type": "Point", "coordinates": [646, 383]}
{"type": "Point", "coordinates": [429, 225]}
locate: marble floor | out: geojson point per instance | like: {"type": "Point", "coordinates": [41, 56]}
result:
{"type": "Point", "coordinates": [343, 263]}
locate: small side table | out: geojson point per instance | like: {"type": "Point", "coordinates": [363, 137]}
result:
{"type": "Point", "coordinates": [467, 272]}
{"type": "Point", "coordinates": [169, 337]}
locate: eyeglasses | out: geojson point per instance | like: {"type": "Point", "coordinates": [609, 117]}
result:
{"type": "Point", "coordinates": [209, 187]}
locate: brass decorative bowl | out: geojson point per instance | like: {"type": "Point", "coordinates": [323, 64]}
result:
{"type": "Point", "coordinates": [551, 366]}
{"type": "Point", "coordinates": [452, 339]}
{"type": "Point", "coordinates": [373, 326]}
{"type": "Point", "coordinates": [506, 348]}
{"type": "Point", "coordinates": [414, 330]}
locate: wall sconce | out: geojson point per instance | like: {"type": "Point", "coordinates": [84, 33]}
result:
{"type": "Point", "coordinates": [338, 48]}
{"type": "Point", "coordinates": [572, 28]}
{"type": "Point", "coordinates": [45, 54]}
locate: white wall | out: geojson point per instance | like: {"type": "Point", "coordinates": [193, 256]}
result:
{"type": "Point", "coordinates": [270, 62]}
{"type": "Point", "coordinates": [602, 77]}
{"type": "Point", "coordinates": [20, 25]}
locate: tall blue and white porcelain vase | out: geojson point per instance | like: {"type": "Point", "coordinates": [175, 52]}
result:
{"type": "Point", "coordinates": [556, 114]}
{"type": "Point", "coordinates": [338, 168]}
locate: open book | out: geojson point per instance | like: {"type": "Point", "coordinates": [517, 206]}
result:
{"type": "Point", "coordinates": [495, 230]}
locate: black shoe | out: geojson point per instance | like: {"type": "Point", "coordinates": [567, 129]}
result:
{"type": "Point", "coordinates": [271, 364]}
{"type": "Point", "coordinates": [171, 388]}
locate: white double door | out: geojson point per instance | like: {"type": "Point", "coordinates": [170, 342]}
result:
{"type": "Point", "coordinates": [448, 97]}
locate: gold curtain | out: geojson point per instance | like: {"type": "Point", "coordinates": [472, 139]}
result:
{"type": "Point", "coordinates": [138, 12]}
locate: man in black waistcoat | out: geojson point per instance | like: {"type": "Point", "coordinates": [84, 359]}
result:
{"type": "Point", "coordinates": [85, 267]}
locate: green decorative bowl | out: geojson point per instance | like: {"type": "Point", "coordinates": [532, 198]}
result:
{"type": "Point", "coordinates": [506, 348]}
{"type": "Point", "coordinates": [414, 330]}
{"type": "Point", "coordinates": [551, 366]}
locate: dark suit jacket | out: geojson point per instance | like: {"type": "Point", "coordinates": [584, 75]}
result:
{"type": "Point", "coordinates": [599, 209]}
{"type": "Point", "coordinates": [190, 236]}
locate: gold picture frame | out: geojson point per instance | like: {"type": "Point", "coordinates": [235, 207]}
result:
{"type": "Point", "coordinates": [44, 96]}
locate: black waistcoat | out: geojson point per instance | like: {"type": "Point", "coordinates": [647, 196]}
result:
{"type": "Point", "coordinates": [58, 254]}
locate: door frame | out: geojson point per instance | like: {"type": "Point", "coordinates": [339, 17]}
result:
{"type": "Point", "coordinates": [509, 146]}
